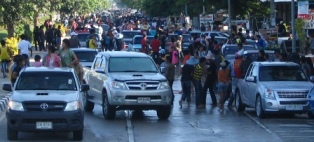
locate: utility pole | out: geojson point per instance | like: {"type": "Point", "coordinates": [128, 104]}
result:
{"type": "Point", "coordinates": [272, 13]}
{"type": "Point", "coordinates": [293, 26]}
{"type": "Point", "coordinates": [186, 9]}
{"type": "Point", "coordinates": [203, 6]}
{"type": "Point", "coordinates": [229, 16]}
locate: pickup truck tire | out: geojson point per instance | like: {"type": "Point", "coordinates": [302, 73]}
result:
{"type": "Point", "coordinates": [238, 102]}
{"type": "Point", "coordinates": [88, 106]}
{"type": "Point", "coordinates": [11, 134]}
{"type": "Point", "coordinates": [163, 113]}
{"type": "Point", "coordinates": [108, 110]}
{"type": "Point", "coordinates": [259, 108]}
{"type": "Point", "coordinates": [78, 135]}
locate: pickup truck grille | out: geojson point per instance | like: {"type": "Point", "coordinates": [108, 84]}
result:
{"type": "Point", "coordinates": [44, 106]}
{"type": "Point", "coordinates": [284, 94]}
{"type": "Point", "coordinates": [142, 85]}
{"type": "Point", "coordinates": [293, 102]}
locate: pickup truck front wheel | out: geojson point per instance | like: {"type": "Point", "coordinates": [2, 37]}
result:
{"type": "Point", "coordinates": [163, 113]}
{"type": "Point", "coordinates": [238, 102]}
{"type": "Point", "coordinates": [78, 135]}
{"type": "Point", "coordinates": [11, 134]}
{"type": "Point", "coordinates": [108, 110]}
{"type": "Point", "coordinates": [259, 107]}
{"type": "Point", "coordinates": [88, 106]}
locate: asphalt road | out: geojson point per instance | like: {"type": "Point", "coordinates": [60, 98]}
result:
{"type": "Point", "coordinates": [184, 125]}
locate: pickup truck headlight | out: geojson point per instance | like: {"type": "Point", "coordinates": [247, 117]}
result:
{"type": "Point", "coordinates": [71, 106]}
{"type": "Point", "coordinates": [17, 106]}
{"type": "Point", "coordinates": [164, 85]}
{"type": "Point", "coordinates": [269, 94]}
{"type": "Point", "coordinates": [118, 85]}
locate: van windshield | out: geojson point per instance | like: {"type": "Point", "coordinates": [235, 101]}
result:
{"type": "Point", "coordinates": [46, 81]}
{"type": "Point", "coordinates": [132, 64]}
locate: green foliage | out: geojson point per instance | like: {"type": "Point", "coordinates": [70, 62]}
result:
{"type": "Point", "coordinates": [299, 24]}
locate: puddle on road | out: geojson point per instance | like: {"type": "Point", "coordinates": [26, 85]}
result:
{"type": "Point", "coordinates": [196, 125]}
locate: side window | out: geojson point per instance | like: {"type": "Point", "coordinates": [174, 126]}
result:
{"type": "Point", "coordinates": [97, 62]}
{"type": "Point", "coordinates": [249, 71]}
{"type": "Point", "coordinates": [312, 90]}
{"type": "Point", "coordinates": [255, 71]}
{"type": "Point", "coordinates": [103, 64]}
{"type": "Point", "coordinates": [214, 34]}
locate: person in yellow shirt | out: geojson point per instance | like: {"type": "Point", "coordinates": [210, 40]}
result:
{"type": "Point", "coordinates": [92, 42]}
{"type": "Point", "coordinates": [5, 55]}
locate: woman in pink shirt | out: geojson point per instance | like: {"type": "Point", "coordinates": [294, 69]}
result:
{"type": "Point", "coordinates": [52, 59]}
{"type": "Point", "coordinates": [175, 58]}
{"type": "Point", "coordinates": [37, 62]}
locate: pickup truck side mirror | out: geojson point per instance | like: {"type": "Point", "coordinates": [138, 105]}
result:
{"type": "Point", "coordinates": [251, 79]}
{"type": "Point", "coordinates": [84, 87]}
{"type": "Point", "coordinates": [312, 78]}
{"type": "Point", "coordinates": [99, 70]}
{"type": "Point", "coordinates": [7, 87]}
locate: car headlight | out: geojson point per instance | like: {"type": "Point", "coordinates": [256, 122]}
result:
{"type": "Point", "coordinates": [17, 106]}
{"type": "Point", "coordinates": [118, 85]}
{"type": "Point", "coordinates": [164, 85]}
{"type": "Point", "coordinates": [71, 106]}
{"type": "Point", "coordinates": [269, 94]}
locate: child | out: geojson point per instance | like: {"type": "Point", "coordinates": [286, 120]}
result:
{"type": "Point", "coordinates": [37, 62]}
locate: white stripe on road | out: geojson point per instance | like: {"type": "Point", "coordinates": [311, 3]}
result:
{"type": "Point", "coordinates": [129, 126]}
{"type": "Point", "coordinates": [258, 123]}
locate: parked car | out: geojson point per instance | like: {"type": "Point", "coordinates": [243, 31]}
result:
{"type": "Point", "coordinates": [233, 48]}
{"type": "Point", "coordinates": [86, 56]}
{"type": "Point", "coordinates": [251, 42]}
{"type": "Point", "coordinates": [122, 80]}
{"type": "Point", "coordinates": [273, 87]}
{"type": "Point", "coordinates": [136, 44]}
{"type": "Point", "coordinates": [129, 34]}
{"type": "Point", "coordinates": [46, 99]}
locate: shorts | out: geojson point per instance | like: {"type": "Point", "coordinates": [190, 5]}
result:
{"type": "Point", "coordinates": [222, 87]}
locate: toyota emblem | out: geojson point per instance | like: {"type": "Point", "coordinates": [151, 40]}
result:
{"type": "Point", "coordinates": [43, 106]}
{"type": "Point", "coordinates": [143, 86]}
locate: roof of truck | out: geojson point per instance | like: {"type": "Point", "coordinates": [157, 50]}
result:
{"type": "Point", "coordinates": [47, 69]}
{"type": "Point", "coordinates": [121, 54]}
{"type": "Point", "coordinates": [277, 63]}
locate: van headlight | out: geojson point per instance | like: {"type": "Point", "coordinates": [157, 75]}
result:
{"type": "Point", "coordinates": [269, 94]}
{"type": "Point", "coordinates": [164, 85]}
{"type": "Point", "coordinates": [17, 106]}
{"type": "Point", "coordinates": [71, 106]}
{"type": "Point", "coordinates": [118, 85]}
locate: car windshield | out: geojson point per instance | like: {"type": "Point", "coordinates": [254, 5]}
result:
{"type": "Point", "coordinates": [130, 34]}
{"type": "Point", "coordinates": [254, 56]}
{"type": "Point", "coordinates": [281, 73]}
{"type": "Point", "coordinates": [46, 81]}
{"type": "Point", "coordinates": [132, 64]}
{"type": "Point", "coordinates": [234, 49]}
{"type": "Point", "coordinates": [82, 37]}
{"type": "Point", "coordinates": [86, 56]}
{"type": "Point", "coordinates": [138, 40]}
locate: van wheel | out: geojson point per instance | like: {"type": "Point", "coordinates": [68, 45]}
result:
{"type": "Point", "coordinates": [163, 113]}
{"type": "Point", "coordinates": [88, 106]}
{"type": "Point", "coordinates": [238, 102]}
{"type": "Point", "coordinates": [259, 107]}
{"type": "Point", "coordinates": [11, 134]}
{"type": "Point", "coordinates": [108, 111]}
{"type": "Point", "coordinates": [78, 135]}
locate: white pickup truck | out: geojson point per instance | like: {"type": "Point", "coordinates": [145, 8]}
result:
{"type": "Point", "coordinates": [122, 80]}
{"type": "Point", "coordinates": [273, 87]}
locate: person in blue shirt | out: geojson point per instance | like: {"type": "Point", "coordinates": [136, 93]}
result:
{"type": "Point", "coordinates": [261, 44]}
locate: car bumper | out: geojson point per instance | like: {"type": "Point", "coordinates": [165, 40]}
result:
{"type": "Point", "coordinates": [286, 105]}
{"type": "Point", "coordinates": [25, 121]}
{"type": "Point", "coordinates": [132, 97]}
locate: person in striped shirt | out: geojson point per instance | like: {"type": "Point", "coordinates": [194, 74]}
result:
{"type": "Point", "coordinates": [197, 75]}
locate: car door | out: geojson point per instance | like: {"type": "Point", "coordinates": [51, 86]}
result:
{"type": "Point", "coordinates": [244, 86]}
{"type": "Point", "coordinates": [252, 86]}
{"type": "Point", "coordinates": [100, 79]}
{"type": "Point", "coordinates": [93, 76]}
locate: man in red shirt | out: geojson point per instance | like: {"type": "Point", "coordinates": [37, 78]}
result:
{"type": "Point", "coordinates": [144, 45]}
{"type": "Point", "coordinates": [155, 44]}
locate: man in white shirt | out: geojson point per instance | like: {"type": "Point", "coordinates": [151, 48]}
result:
{"type": "Point", "coordinates": [24, 46]}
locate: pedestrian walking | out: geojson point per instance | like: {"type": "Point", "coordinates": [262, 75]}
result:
{"type": "Point", "coordinates": [169, 74]}
{"type": "Point", "coordinates": [210, 81]}
{"type": "Point", "coordinates": [223, 83]}
{"type": "Point", "coordinates": [24, 46]}
{"type": "Point", "coordinates": [36, 37]}
{"type": "Point", "coordinates": [197, 74]}
{"type": "Point", "coordinates": [20, 64]}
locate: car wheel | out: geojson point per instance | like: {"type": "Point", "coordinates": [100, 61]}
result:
{"type": "Point", "coordinates": [108, 111]}
{"type": "Point", "coordinates": [163, 113]}
{"type": "Point", "coordinates": [259, 107]}
{"type": "Point", "coordinates": [88, 106]}
{"type": "Point", "coordinates": [238, 102]}
{"type": "Point", "coordinates": [11, 134]}
{"type": "Point", "coordinates": [310, 115]}
{"type": "Point", "coordinates": [78, 135]}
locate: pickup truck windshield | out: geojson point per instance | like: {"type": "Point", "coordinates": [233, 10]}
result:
{"type": "Point", "coordinates": [281, 73]}
{"type": "Point", "coordinates": [86, 56]}
{"type": "Point", "coordinates": [132, 64]}
{"type": "Point", "coordinates": [46, 81]}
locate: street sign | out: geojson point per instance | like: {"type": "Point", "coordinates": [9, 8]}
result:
{"type": "Point", "coordinates": [303, 9]}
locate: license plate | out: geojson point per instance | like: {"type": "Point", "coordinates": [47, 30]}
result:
{"type": "Point", "coordinates": [43, 125]}
{"type": "Point", "coordinates": [143, 100]}
{"type": "Point", "coordinates": [294, 107]}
